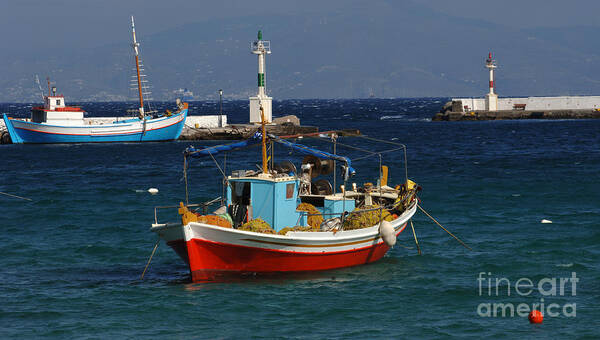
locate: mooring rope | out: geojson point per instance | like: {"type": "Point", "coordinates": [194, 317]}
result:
{"type": "Point", "coordinates": [446, 230]}
{"type": "Point", "coordinates": [15, 196]}
{"type": "Point", "coordinates": [415, 236]}
{"type": "Point", "coordinates": [150, 259]}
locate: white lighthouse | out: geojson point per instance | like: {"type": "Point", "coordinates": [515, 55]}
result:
{"type": "Point", "coordinates": [261, 48]}
{"type": "Point", "coordinates": [491, 99]}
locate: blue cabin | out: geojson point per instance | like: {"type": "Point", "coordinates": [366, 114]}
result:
{"type": "Point", "coordinates": [273, 199]}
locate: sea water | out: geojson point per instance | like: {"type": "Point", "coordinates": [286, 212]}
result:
{"type": "Point", "coordinates": [71, 258]}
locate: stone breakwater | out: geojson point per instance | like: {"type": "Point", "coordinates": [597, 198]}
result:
{"type": "Point", "coordinates": [503, 115]}
{"type": "Point", "coordinates": [453, 112]}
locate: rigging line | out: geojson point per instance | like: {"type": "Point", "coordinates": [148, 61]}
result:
{"type": "Point", "coordinates": [365, 137]}
{"type": "Point", "coordinates": [380, 140]}
{"type": "Point", "coordinates": [217, 164]}
{"type": "Point", "coordinates": [375, 153]}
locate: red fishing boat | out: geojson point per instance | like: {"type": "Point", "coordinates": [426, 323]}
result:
{"type": "Point", "coordinates": [280, 220]}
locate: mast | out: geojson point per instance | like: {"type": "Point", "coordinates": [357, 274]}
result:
{"type": "Point", "coordinates": [135, 46]}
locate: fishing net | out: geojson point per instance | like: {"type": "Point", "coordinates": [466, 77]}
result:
{"type": "Point", "coordinates": [257, 225]}
{"type": "Point", "coordinates": [215, 220]}
{"type": "Point", "coordinates": [297, 228]}
{"type": "Point", "coordinates": [187, 216]}
{"type": "Point", "coordinates": [314, 215]}
{"type": "Point", "coordinates": [359, 218]}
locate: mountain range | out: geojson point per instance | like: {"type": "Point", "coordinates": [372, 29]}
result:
{"type": "Point", "coordinates": [378, 48]}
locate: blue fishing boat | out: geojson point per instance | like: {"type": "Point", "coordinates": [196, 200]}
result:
{"type": "Point", "coordinates": [54, 122]}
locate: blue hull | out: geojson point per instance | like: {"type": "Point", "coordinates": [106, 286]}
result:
{"type": "Point", "coordinates": [31, 132]}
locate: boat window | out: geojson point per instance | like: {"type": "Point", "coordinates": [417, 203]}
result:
{"type": "Point", "coordinates": [240, 192]}
{"type": "Point", "coordinates": [58, 102]}
{"type": "Point", "coordinates": [289, 190]}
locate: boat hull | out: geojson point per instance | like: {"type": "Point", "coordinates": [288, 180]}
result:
{"type": "Point", "coordinates": [159, 129]}
{"type": "Point", "coordinates": [211, 261]}
{"type": "Point", "coordinates": [216, 253]}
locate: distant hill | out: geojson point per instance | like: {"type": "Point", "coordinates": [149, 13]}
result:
{"type": "Point", "coordinates": [387, 49]}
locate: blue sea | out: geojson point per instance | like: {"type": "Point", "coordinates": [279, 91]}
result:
{"type": "Point", "coordinates": [71, 258]}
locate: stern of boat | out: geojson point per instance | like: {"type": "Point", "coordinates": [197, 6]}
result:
{"type": "Point", "coordinates": [16, 139]}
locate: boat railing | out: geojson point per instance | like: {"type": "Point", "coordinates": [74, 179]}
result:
{"type": "Point", "coordinates": [204, 206]}
{"type": "Point", "coordinates": [343, 215]}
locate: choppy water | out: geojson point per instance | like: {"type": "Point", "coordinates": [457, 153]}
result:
{"type": "Point", "coordinates": [71, 258]}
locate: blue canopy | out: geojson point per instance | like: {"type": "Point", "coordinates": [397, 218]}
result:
{"type": "Point", "coordinates": [315, 152]}
{"type": "Point", "coordinates": [256, 138]}
{"type": "Point", "coordinates": [192, 151]}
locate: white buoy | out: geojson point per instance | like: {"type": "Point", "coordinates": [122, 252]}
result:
{"type": "Point", "coordinates": [387, 232]}
{"type": "Point", "coordinates": [153, 191]}
{"type": "Point", "coordinates": [545, 221]}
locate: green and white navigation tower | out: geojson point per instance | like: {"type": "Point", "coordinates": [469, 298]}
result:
{"type": "Point", "coordinates": [261, 48]}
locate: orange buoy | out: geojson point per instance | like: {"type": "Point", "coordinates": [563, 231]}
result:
{"type": "Point", "coordinates": [535, 316]}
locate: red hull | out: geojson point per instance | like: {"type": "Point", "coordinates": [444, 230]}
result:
{"type": "Point", "coordinates": [210, 260]}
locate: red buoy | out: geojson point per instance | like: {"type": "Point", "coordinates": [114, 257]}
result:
{"type": "Point", "coordinates": [535, 316]}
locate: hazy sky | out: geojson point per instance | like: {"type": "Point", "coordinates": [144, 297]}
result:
{"type": "Point", "coordinates": [423, 47]}
{"type": "Point", "coordinates": [28, 24]}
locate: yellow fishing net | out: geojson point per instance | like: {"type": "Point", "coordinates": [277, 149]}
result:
{"type": "Point", "coordinates": [257, 225]}
{"type": "Point", "coordinates": [315, 218]}
{"type": "Point", "coordinates": [359, 219]}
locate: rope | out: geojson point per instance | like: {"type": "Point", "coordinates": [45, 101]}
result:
{"type": "Point", "coordinates": [403, 246]}
{"type": "Point", "coordinates": [415, 236]}
{"type": "Point", "coordinates": [15, 196]}
{"type": "Point", "coordinates": [150, 259]}
{"type": "Point", "coordinates": [446, 230]}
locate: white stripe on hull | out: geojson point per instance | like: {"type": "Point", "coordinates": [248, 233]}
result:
{"type": "Point", "coordinates": [99, 130]}
{"type": "Point", "coordinates": [306, 242]}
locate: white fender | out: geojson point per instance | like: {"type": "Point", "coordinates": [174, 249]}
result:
{"type": "Point", "coordinates": [387, 233]}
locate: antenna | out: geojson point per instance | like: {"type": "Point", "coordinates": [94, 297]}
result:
{"type": "Point", "coordinates": [37, 80]}
{"type": "Point", "coordinates": [48, 80]}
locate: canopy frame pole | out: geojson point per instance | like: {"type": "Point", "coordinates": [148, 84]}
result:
{"type": "Point", "coordinates": [225, 179]}
{"type": "Point", "coordinates": [187, 202]}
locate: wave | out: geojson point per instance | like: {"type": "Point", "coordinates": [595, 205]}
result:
{"type": "Point", "coordinates": [391, 117]}
{"type": "Point", "coordinates": [565, 265]}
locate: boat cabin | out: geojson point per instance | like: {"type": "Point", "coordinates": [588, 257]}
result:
{"type": "Point", "coordinates": [55, 112]}
{"type": "Point", "coordinates": [274, 199]}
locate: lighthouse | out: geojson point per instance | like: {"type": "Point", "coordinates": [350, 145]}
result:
{"type": "Point", "coordinates": [261, 48]}
{"type": "Point", "coordinates": [491, 99]}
